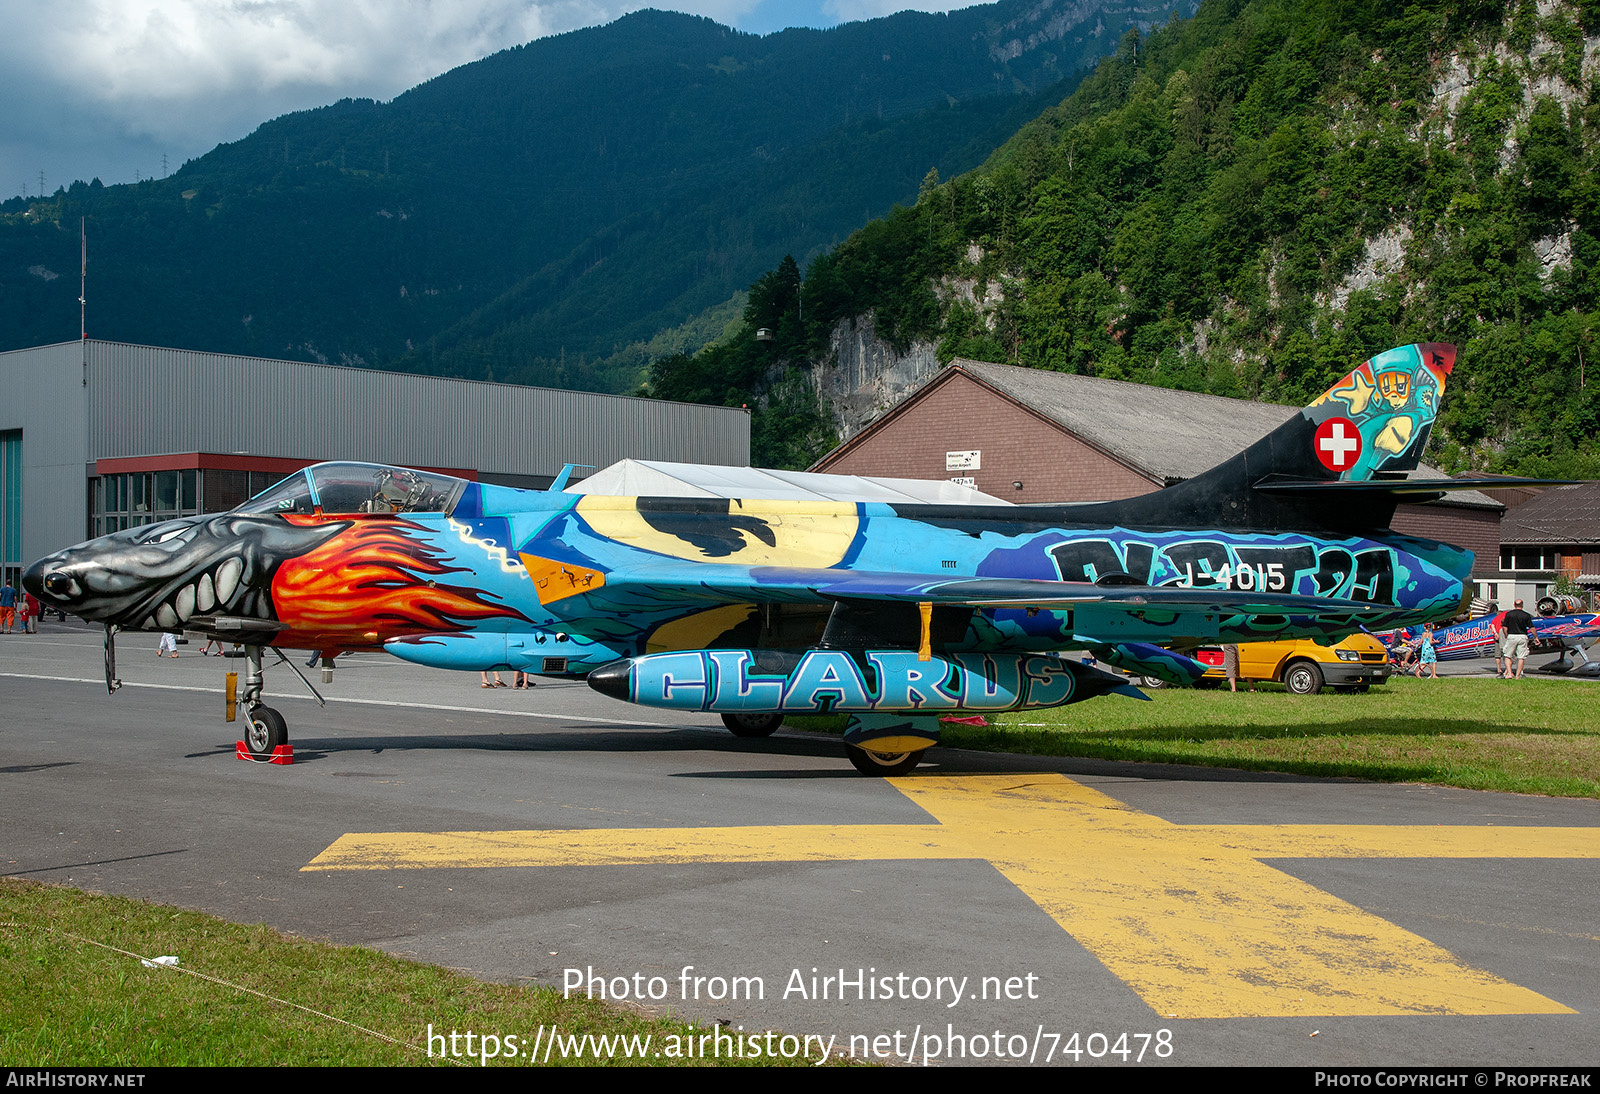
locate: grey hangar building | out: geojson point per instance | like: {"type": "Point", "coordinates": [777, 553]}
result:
{"type": "Point", "coordinates": [97, 436]}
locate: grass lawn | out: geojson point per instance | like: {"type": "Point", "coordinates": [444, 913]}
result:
{"type": "Point", "coordinates": [65, 1001]}
{"type": "Point", "coordinates": [1530, 736]}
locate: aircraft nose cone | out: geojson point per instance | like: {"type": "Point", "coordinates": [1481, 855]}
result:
{"type": "Point", "coordinates": [50, 581]}
{"type": "Point", "coordinates": [34, 580]}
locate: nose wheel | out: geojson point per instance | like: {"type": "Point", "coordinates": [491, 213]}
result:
{"type": "Point", "coordinates": [266, 731]}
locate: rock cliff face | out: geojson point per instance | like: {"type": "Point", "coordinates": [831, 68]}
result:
{"type": "Point", "coordinates": [863, 376]}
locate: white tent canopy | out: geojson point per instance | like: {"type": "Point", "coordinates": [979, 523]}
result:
{"type": "Point", "coordinates": [657, 478]}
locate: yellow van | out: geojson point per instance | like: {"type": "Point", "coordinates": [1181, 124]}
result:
{"type": "Point", "coordinates": [1303, 667]}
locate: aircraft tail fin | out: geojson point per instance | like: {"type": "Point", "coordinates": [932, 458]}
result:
{"type": "Point", "coordinates": [1367, 431]}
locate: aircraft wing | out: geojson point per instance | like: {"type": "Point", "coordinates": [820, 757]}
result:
{"type": "Point", "coordinates": [728, 584]}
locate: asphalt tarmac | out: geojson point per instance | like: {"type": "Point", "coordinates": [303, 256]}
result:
{"type": "Point", "coordinates": [985, 907]}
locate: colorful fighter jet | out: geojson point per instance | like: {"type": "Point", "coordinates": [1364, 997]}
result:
{"type": "Point", "coordinates": [890, 614]}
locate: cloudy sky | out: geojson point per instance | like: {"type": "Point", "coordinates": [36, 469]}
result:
{"type": "Point", "coordinates": [106, 88]}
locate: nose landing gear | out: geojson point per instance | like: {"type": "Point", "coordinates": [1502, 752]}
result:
{"type": "Point", "coordinates": [266, 737]}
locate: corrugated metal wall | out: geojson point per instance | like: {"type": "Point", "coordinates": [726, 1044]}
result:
{"type": "Point", "coordinates": [148, 401]}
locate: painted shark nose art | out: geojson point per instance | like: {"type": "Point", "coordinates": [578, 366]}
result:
{"type": "Point", "coordinates": [162, 576]}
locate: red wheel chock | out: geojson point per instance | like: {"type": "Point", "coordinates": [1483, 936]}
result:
{"type": "Point", "coordinates": [283, 754]}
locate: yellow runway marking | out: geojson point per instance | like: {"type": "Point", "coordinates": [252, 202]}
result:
{"type": "Point", "coordinates": [1187, 915]}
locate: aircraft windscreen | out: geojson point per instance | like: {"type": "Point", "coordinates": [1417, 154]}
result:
{"type": "Point", "coordinates": [292, 495]}
{"type": "Point", "coordinates": [358, 488]}
{"type": "Point", "coordinates": [372, 488]}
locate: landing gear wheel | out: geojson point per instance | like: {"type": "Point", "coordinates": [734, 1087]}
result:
{"type": "Point", "coordinates": [752, 725]}
{"type": "Point", "coordinates": [1303, 678]}
{"type": "Point", "coordinates": [265, 733]}
{"type": "Point", "coordinates": [1153, 682]}
{"type": "Point", "coordinates": [883, 764]}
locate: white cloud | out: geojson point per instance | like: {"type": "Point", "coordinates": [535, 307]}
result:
{"type": "Point", "coordinates": [159, 65]}
{"type": "Point", "coordinates": [106, 87]}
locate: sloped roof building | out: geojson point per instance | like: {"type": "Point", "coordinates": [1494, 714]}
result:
{"type": "Point", "coordinates": [1555, 534]}
{"type": "Point", "coordinates": [1034, 436]}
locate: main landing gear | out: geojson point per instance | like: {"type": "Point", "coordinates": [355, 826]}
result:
{"type": "Point", "coordinates": [884, 764]}
{"type": "Point", "coordinates": [752, 725]}
{"type": "Point", "coordinates": [879, 745]}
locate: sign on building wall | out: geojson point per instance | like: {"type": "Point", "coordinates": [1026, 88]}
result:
{"type": "Point", "coordinates": [963, 461]}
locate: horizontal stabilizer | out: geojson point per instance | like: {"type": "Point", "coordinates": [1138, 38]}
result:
{"type": "Point", "coordinates": [1392, 487]}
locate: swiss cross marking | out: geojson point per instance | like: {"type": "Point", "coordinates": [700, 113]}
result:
{"type": "Point", "coordinates": [1337, 444]}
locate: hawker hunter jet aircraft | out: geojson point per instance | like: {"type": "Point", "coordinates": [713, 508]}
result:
{"type": "Point", "coordinates": [891, 614]}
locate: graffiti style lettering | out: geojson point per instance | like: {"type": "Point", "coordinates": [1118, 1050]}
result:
{"type": "Point", "coordinates": [827, 680]}
{"type": "Point", "coordinates": [1086, 559]}
{"type": "Point", "coordinates": [833, 681]}
{"type": "Point", "coordinates": [1334, 567]}
{"type": "Point", "coordinates": [1050, 682]}
{"type": "Point", "coordinates": [735, 690]}
{"type": "Point", "coordinates": [1140, 560]}
{"type": "Point", "coordinates": [911, 684]}
{"type": "Point", "coordinates": [675, 680]}
{"type": "Point", "coordinates": [1374, 577]}
{"type": "Point", "coordinates": [989, 683]}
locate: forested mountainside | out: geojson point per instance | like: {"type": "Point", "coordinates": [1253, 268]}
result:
{"type": "Point", "coordinates": [1248, 203]}
{"type": "Point", "coordinates": [521, 217]}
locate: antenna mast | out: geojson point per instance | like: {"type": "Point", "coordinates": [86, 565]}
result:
{"type": "Point", "coordinates": [83, 278]}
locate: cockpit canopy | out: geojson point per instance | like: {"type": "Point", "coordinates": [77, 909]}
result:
{"type": "Point", "coordinates": [340, 488]}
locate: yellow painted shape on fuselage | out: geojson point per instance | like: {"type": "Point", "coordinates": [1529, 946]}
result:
{"type": "Point", "coordinates": [697, 631]}
{"type": "Point", "coordinates": [558, 580]}
{"type": "Point", "coordinates": [807, 534]}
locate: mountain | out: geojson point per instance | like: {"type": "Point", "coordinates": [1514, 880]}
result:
{"type": "Point", "coordinates": [1247, 203]}
{"type": "Point", "coordinates": [524, 215]}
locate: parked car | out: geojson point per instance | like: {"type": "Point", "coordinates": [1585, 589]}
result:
{"type": "Point", "coordinates": [1303, 667]}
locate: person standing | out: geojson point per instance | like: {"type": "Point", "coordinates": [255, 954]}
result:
{"type": "Point", "coordinates": [1230, 666]}
{"type": "Point", "coordinates": [1514, 638]}
{"type": "Point", "coordinates": [8, 606]}
{"type": "Point", "coordinates": [1427, 655]}
{"type": "Point", "coordinates": [30, 609]}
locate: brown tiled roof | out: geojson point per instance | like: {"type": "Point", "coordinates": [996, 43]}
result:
{"type": "Point", "coordinates": [1560, 515]}
{"type": "Point", "coordinates": [1166, 434]}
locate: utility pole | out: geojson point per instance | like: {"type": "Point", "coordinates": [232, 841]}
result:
{"type": "Point", "coordinates": [83, 278]}
{"type": "Point", "coordinates": [83, 296]}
